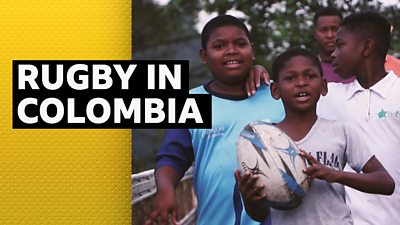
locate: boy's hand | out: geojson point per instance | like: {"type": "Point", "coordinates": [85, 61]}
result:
{"type": "Point", "coordinates": [248, 188]}
{"type": "Point", "coordinates": [317, 170]}
{"type": "Point", "coordinates": [253, 81]}
{"type": "Point", "coordinates": [163, 207]}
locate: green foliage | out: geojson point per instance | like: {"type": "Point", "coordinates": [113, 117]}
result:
{"type": "Point", "coordinates": [279, 25]}
{"type": "Point", "coordinates": [275, 25]}
{"type": "Point", "coordinates": [393, 14]}
{"type": "Point", "coordinates": [155, 27]}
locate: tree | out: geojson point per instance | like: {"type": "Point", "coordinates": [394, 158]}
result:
{"type": "Point", "coordinates": [279, 25]}
{"type": "Point", "coordinates": [156, 28]}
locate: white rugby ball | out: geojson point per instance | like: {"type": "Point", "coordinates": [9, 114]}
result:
{"type": "Point", "coordinates": [265, 150]}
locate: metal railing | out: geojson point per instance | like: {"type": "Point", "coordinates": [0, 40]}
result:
{"type": "Point", "coordinates": [144, 186]}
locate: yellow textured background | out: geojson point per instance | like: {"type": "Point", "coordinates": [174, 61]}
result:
{"type": "Point", "coordinates": [63, 176]}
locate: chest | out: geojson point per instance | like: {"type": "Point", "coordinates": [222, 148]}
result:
{"type": "Point", "coordinates": [327, 147]}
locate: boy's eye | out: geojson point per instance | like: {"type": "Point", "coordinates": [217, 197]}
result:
{"type": "Point", "coordinates": [241, 43]}
{"type": "Point", "coordinates": [311, 75]}
{"type": "Point", "coordinates": [219, 45]}
{"type": "Point", "coordinates": [289, 77]}
{"type": "Point", "coordinates": [323, 29]}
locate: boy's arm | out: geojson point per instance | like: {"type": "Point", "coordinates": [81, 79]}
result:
{"type": "Point", "coordinates": [254, 201]}
{"type": "Point", "coordinates": [257, 74]}
{"type": "Point", "coordinates": [176, 151]}
{"type": "Point", "coordinates": [173, 159]}
{"type": "Point", "coordinates": [164, 202]}
{"type": "Point", "coordinates": [374, 179]}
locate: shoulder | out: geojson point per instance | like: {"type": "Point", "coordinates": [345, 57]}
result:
{"type": "Point", "coordinates": [339, 91]}
{"type": "Point", "coordinates": [338, 130]}
{"type": "Point", "coordinates": [335, 126]}
{"type": "Point", "coordinates": [198, 90]}
{"type": "Point", "coordinates": [262, 91]}
{"type": "Point", "coordinates": [344, 130]}
{"type": "Point", "coordinates": [395, 77]}
{"type": "Point", "coordinates": [264, 88]}
{"type": "Point", "coordinates": [329, 122]}
{"type": "Point", "coordinates": [337, 87]}
{"type": "Point", "coordinates": [335, 90]}
{"type": "Point", "coordinates": [264, 97]}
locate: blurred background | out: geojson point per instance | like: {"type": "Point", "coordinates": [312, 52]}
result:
{"type": "Point", "coordinates": [170, 29]}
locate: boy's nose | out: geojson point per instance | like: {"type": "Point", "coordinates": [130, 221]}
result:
{"type": "Point", "coordinates": [231, 49]}
{"type": "Point", "coordinates": [301, 81]}
{"type": "Point", "coordinates": [331, 33]}
{"type": "Point", "coordinates": [333, 55]}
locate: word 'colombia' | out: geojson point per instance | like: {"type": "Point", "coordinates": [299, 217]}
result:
{"type": "Point", "coordinates": [106, 94]}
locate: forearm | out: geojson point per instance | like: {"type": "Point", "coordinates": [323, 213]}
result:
{"type": "Point", "coordinates": [167, 178]}
{"type": "Point", "coordinates": [379, 182]}
{"type": "Point", "coordinates": [164, 205]}
{"type": "Point", "coordinates": [374, 179]}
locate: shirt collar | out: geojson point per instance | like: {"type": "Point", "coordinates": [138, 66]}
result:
{"type": "Point", "coordinates": [382, 88]}
{"type": "Point", "coordinates": [353, 88]}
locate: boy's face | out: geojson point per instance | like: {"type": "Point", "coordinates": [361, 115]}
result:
{"type": "Point", "coordinates": [229, 55]}
{"type": "Point", "coordinates": [299, 85]}
{"type": "Point", "coordinates": [325, 32]}
{"type": "Point", "coordinates": [348, 53]}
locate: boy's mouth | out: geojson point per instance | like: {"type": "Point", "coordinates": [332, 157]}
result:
{"type": "Point", "coordinates": [330, 44]}
{"type": "Point", "coordinates": [302, 96]}
{"type": "Point", "coordinates": [232, 62]}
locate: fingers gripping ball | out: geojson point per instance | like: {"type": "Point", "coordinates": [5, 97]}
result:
{"type": "Point", "coordinates": [263, 149]}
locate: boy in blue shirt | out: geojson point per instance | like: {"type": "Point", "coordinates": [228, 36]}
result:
{"type": "Point", "coordinates": [228, 52]}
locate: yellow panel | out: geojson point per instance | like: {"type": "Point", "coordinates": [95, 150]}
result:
{"type": "Point", "coordinates": [63, 176]}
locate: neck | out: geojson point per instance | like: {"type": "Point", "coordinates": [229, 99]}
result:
{"type": "Point", "coordinates": [371, 75]}
{"type": "Point", "coordinates": [228, 89]}
{"type": "Point", "coordinates": [297, 125]}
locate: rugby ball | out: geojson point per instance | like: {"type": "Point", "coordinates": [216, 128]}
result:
{"type": "Point", "coordinates": [265, 150]}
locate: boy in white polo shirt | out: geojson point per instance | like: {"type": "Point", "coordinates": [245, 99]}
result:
{"type": "Point", "coordinates": [371, 104]}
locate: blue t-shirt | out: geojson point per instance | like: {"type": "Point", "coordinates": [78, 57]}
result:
{"type": "Point", "coordinates": [214, 153]}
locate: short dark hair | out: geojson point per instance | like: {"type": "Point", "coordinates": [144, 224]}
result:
{"type": "Point", "coordinates": [327, 11]}
{"type": "Point", "coordinates": [284, 57]}
{"type": "Point", "coordinates": [220, 21]}
{"type": "Point", "coordinates": [370, 25]}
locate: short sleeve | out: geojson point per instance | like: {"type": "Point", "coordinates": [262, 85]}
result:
{"type": "Point", "coordinates": [357, 152]}
{"type": "Point", "coordinates": [176, 151]}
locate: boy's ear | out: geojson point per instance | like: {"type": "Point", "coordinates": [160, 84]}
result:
{"type": "Point", "coordinates": [369, 46]}
{"type": "Point", "coordinates": [203, 55]}
{"type": "Point", "coordinates": [275, 92]}
{"type": "Point", "coordinates": [324, 85]}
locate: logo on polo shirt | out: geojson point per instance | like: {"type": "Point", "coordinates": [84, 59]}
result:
{"type": "Point", "coordinates": [214, 132]}
{"type": "Point", "coordinates": [383, 114]}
